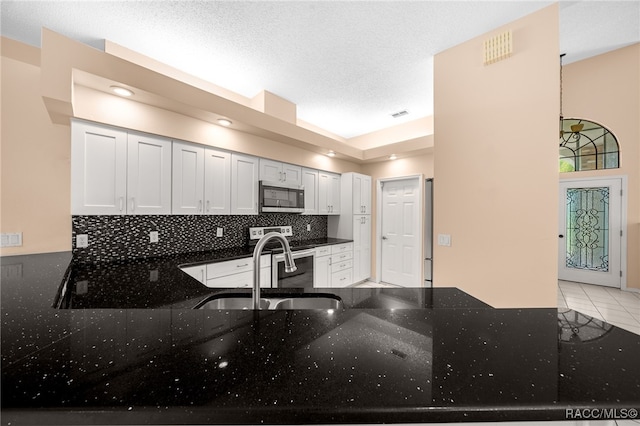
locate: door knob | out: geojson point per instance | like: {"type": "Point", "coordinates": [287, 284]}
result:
{"type": "Point", "coordinates": [561, 236]}
{"type": "Point", "coordinates": [384, 238]}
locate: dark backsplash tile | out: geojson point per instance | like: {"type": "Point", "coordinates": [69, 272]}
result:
{"type": "Point", "coordinates": [117, 238]}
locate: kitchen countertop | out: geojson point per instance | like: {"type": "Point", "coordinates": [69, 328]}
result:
{"type": "Point", "coordinates": [393, 356]}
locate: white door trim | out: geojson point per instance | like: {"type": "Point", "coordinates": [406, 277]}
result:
{"type": "Point", "coordinates": [623, 218]}
{"type": "Point", "coordinates": [378, 235]}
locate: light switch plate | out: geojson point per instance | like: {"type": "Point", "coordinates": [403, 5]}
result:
{"type": "Point", "coordinates": [153, 236]}
{"type": "Point", "coordinates": [219, 232]}
{"type": "Point", "coordinates": [11, 240]}
{"type": "Point", "coordinates": [444, 240]}
{"type": "Point", "coordinates": [308, 227]}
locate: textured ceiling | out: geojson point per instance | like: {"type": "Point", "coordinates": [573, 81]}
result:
{"type": "Point", "coordinates": [347, 65]}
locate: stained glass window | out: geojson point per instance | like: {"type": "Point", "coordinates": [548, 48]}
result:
{"type": "Point", "coordinates": [585, 145]}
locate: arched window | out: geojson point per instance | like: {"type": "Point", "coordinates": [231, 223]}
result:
{"type": "Point", "coordinates": [585, 145]}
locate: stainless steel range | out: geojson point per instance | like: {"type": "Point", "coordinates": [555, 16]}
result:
{"type": "Point", "coordinates": [304, 258]}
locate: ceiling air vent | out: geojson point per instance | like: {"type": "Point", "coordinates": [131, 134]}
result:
{"type": "Point", "coordinates": [399, 114]}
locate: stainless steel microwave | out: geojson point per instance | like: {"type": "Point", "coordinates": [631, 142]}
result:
{"type": "Point", "coordinates": [276, 197]}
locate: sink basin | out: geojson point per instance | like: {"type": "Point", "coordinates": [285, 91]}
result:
{"type": "Point", "coordinates": [236, 301]}
{"type": "Point", "coordinates": [233, 302]}
{"type": "Point", "coordinates": [309, 303]}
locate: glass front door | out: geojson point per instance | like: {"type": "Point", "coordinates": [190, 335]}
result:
{"type": "Point", "coordinates": [590, 232]}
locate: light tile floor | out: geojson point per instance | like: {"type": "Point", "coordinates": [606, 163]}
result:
{"type": "Point", "coordinates": [617, 307]}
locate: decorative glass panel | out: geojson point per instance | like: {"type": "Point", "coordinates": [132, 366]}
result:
{"type": "Point", "coordinates": [587, 242]}
{"type": "Point", "coordinates": [585, 145]}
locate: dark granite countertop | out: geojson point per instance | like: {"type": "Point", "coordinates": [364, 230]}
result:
{"type": "Point", "coordinates": [393, 356]}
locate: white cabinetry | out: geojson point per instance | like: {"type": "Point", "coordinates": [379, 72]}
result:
{"type": "Point", "coordinates": [201, 180]}
{"type": "Point", "coordinates": [353, 224]}
{"type": "Point", "coordinates": [244, 184]}
{"type": "Point", "coordinates": [310, 183]}
{"type": "Point", "coordinates": [274, 171]}
{"type": "Point", "coordinates": [148, 174]}
{"type": "Point", "coordinates": [113, 172]}
{"type": "Point", "coordinates": [199, 272]}
{"type": "Point", "coordinates": [328, 193]}
{"type": "Point", "coordinates": [333, 266]}
{"type": "Point", "coordinates": [341, 265]}
{"type": "Point", "coordinates": [238, 273]}
{"type": "Point", "coordinates": [322, 267]}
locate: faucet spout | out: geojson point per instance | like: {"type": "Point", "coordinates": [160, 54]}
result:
{"type": "Point", "coordinates": [289, 264]}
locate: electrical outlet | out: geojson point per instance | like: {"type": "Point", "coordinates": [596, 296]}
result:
{"type": "Point", "coordinates": [153, 236]}
{"type": "Point", "coordinates": [308, 227]}
{"type": "Point", "coordinates": [444, 240]}
{"type": "Point", "coordinates": [11, 240]}
{"type": "Point", "coordinates": [82, 240]}
{"type": "Point", "coordinates": [219, 232]}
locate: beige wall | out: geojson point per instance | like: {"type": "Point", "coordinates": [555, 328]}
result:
{"type": "Point", "coordinates": [35, 154]}
{"type": "Point", "coordinates": [496, 166]}
{"type": "Point", "coordinates": [35, 158]}
{"type": "Point", "coordinates": [410, 166]}
{"type": "Point", "coordinates": [606, 89]}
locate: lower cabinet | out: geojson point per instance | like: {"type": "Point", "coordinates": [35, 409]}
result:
{"type": "Point", "coordinates": [334, 266]}
{"type": "Point", "coordinates": [231, 273]}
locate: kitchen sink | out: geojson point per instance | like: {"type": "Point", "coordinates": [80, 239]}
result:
{"type": "Point", "coordinates": [243, 301]}
{"type": "Point", "coordinates": [322, 302]}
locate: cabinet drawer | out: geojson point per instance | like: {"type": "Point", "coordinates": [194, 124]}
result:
{"type": "Point", "coordinates": [342, 278]}
{"type": "Point", "coordinates": [340, 266]}
{"type": "Point", "coordinates": [341, 257]}
{"type": "Point", "coordinates": [243, 279]}
{"type": "Point", "coordinates": [323, 251]}
{"type": "Point", "coordinates": [341, 248]}
{"type": "Point", "coordinates": [221, 269]}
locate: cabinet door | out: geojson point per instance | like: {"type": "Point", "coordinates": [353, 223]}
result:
{"type": "Point", "coordinates": [361, 247]}
{"type": "Point", "coordinates": [342, 279]}
{"type": "Point", "coordinates": [98, 170]}
{"type": "Point", "coordinates": [198, 272]}
{"type": "Point", "coordinates": [322, 272]}
{"type": "Point", "coordinates": [310, 183]}
{"type": "Point", "coordinates": [335, 194]}
{"type": "Point", "coordinates": [148, 175]}
{"type": "Point", "coordinates": [328, 193]}
{"type": "Point", "coordinates": [188, 178]}
{"type": "Point", "coordinates": [244, 184]}
{"type": "Point", "coordinates": [217, 182]}
{"type": "Point", "coordinates": [361, 194]}
{"type": "Point", "coordinates": [270, 170]}
{"type": "Point", "coordinates": [292, 175]}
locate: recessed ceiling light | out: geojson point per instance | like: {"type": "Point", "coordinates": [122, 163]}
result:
{"type": "Point", "coordinates": [331, 153]}
{"type": "Point", "coordinates": [224, 122]}
{"type": "Point", "coordinates": [392, 157]}
{"type": "Point", "coordinates": [118, 90]}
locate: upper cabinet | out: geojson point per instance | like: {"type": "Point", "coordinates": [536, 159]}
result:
{"type": "Point", "coordinates": [148, 174]}
{"type": "Point", "coordinates": [274, 171]}
{"type": "Point", "coordinates": [244, 184]}
{"type": "Point", "coordinates": [356, 193]}
{"type": "Point", "coordinates": [113, 172]}
{"type": "Point", "coordinates": [328, 193]}
{"type": "Point", "coordinates": [201, 180]}
{"type": "Point", "coordinates": [310, 183]}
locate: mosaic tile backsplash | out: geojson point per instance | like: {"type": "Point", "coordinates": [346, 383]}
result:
{"type": "Point", "coordinates": [117, 238]}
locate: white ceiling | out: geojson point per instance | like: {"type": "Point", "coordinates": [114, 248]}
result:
{"type": "Point", "coordinates": [346, 65]}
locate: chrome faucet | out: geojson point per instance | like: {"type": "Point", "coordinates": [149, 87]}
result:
{"type": "Point", "coordinates": [289, 264]}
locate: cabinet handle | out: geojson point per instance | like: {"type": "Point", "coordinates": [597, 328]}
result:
{"type": "Point", "coordinates": [280, 176]}
{"type": "Point", "coordinates": [133, 204]}
{"type": "Point", "coordinates": [208, 206]}
{"type": "Point", "coordinates": [199, 205]}
{"type": "Point", "coordinates": [242, 266]}
{"type": "Point", "coordinates": [285, 176]}
{"type": "Point", "coordinates": [121, 203]}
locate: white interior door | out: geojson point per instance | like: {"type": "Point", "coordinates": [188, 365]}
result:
{"type": "Point", "coordinates": [401, 243]}
{"type": "Point", "coordinates": [590, 231]}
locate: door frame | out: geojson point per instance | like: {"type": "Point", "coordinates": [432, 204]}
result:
{"type": "Point", "coordinates": [420, 205]}
{"type": "Point", "coordinates": [623, 216]}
